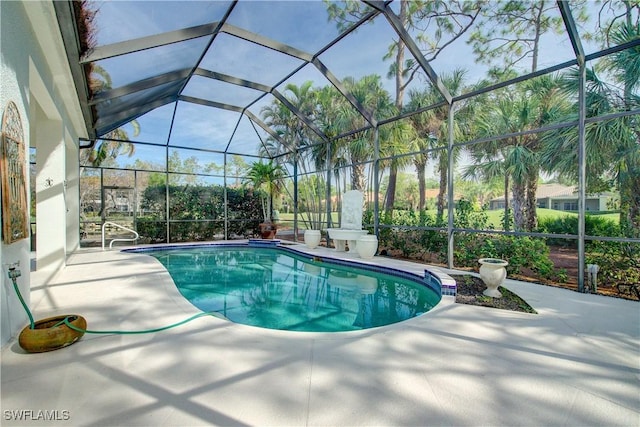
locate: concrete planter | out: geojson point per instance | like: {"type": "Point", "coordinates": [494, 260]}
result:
{"type": "Point", "coordinates": [492, 273]}
{"type": "Point", "coordinates": [367, 246]}
{"type": "Point", "coordinates": [312, 238]}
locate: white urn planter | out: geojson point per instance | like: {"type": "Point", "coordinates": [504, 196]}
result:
{"type": "Point", "coordinates": [367, 246]}
{"type": "Point", "coordinates": [312, 238]}
{"type": "Point", "coordinates": [493, 273]}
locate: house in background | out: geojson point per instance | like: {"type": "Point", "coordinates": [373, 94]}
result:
{"type": "Point", "coordinates": [562, 198]}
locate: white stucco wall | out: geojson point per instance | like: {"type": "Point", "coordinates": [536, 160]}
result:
{"type": "Point", "coordinates": [35, 76]}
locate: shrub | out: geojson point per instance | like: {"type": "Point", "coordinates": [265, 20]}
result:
{"type": "Point", "coordinates": [468, 217]}
{"type": "Point", "coordinates": [196, 213]}
{"type": "Point", "coordinates": [151, 230]}
{"type": "Point", "coordinates": [618, 262]}
{"type": "Point", "coordinates": [520, 252]}
{"type": "Point", "coordinates": [594, 226]}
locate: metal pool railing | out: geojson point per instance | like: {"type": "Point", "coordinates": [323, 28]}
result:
{"type": "Point", "coordinates": [137, 236]}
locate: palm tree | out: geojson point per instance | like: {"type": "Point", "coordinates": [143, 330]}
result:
{"type": "Point", "coordinates": [297, 136]}
{"type": "Point", "coordinates": [424, 127]}
{"type": "Point", "coordinates": [530, 106]}
{"type": "Point", "coordinates": [395, 138]}
{"type": "Point", "coordinates": [625, 69]}
{"type": "Point", "coordinates": [337, 116]}
{"type": "Point", "coordinates": [358, 147]}
{"type": "Point", "coordinates": [511, 112]}
{"type": "Point", "coordinates": [488, 165]}
{"type": "Point", "coordinates": [115, 142]}
{"type": "Point", "coordinates": [267, 177]}
{"type": "Point", "coordinates": [550, 105]}
{"type": "Point", "coordinates": [612, 147]}
{"type": "Point", "coordinates": [431, 128]}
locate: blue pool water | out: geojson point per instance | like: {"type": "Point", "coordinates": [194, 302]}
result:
{"type": "Point", "coordinates": [281, 289]}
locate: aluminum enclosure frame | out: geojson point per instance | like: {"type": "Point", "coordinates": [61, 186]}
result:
{"type": "Point", "coordinates": [98, 126]}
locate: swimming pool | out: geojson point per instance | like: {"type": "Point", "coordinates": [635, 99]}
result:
{"type": "Point", "coordinates": [280, 288]}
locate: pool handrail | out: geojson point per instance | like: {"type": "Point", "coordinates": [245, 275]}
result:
{"type": "Point", "coordinates": [137, 236]}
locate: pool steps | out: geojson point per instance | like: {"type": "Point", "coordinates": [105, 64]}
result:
{"type": "Point", "coordinates": [448, 284]}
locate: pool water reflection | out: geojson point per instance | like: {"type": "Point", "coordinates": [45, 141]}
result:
{"type": "Point", "coordinates": [277, 289]}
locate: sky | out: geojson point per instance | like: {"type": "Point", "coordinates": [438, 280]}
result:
{"type": "Point", "coordinates": [301, 24]}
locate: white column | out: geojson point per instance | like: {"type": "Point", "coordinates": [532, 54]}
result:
{"type": "Point", "coordinates": [72, 194]}
{"type": "Point", "coordinates": [50, 203]}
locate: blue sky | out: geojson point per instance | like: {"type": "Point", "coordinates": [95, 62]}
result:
{"type": "Point", "coordinates": [356, 55]}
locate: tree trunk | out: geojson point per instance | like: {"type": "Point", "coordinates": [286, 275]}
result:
{"type": "Point", "coordinates": [536, 39]}
{"type": "Point", "coordinates": [506, 222]}
{"type": "Point", "coordinates": [518, 190]}
{"type": "Point", "coordinates": [630, 203]}
{"type": "Point", "coordinates": [531, 201]}
{"type": "Point", "coordinates": [442, 168]}
{"type": "Point", "coordinates": [358, 178]}
{"type": "Point", "coordinates": [422, 184]}
{"type": "Point", "coordinates": [630, 180]}
{"type": "Point", "coordinates": [391, 189]}
{"type": "Point", "coordinates": [399, 72]}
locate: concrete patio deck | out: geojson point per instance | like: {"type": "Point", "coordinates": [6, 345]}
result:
{"type": "Point", "coordinates": [576, 363]}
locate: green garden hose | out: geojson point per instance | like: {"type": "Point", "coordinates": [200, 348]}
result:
{"type": "Point", "coordinates": [67, 322]}
{"type": "Point", "coordinates": [15, 273]}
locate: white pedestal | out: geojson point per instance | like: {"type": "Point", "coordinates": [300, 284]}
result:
{"type": "Point", "coordinates": [341, 237]}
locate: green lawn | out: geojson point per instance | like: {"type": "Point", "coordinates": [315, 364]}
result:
{"type": "Point", "coordinates": [495, 216]}
{"type": "Point", "coordinates": [288, 217]}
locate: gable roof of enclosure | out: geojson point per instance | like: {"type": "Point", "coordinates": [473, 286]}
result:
{"type": "Point", "coordinates": [235, 58]}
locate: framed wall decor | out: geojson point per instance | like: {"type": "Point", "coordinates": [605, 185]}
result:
{"type": "Point", "coordinates": [15, 212]}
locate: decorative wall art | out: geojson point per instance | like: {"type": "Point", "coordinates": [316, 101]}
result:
{"type": "Point", "coordinates": [15, 212]}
